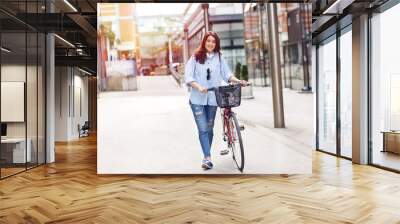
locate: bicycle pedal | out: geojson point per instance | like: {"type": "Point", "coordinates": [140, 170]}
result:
{"type": "Point", "coordinates": [224, 152]}
{"type": "Point", "coordinates": [241, 127]}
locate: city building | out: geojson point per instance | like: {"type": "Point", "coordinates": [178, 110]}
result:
{"type": "Point", "coordinates": [224, 18]}
{"type": "Point", "coordinates": [118, 40]}
{"type": "Point", "coordinates": [155, 32]}
{"type": "Point", "coordinates": [118, 20]}
{"type": "Point", "coordinates": [294, 36]}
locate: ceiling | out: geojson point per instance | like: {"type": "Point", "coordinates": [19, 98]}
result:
{"type": "Point", "coordinates": [74, 21]}
{"type": "Point", "coordinates": [74, 24]}
{"type": "Point", "coordinates": [330, 15]}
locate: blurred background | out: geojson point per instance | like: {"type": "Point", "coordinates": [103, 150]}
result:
{"type": "Point", "coordinates": [157, 39]}
{"type": "Point", "coordinates": [145, 122]}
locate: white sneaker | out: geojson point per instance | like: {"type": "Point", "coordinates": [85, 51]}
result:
{"type": "Point", "coordinates": [206, 164]}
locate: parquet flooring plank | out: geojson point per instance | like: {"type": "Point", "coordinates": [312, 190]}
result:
{"type": "Point", "coordinates": [70, 191]}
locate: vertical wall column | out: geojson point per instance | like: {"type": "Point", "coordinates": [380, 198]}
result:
{"type": "Point", "coordinates": [277, 98]}
{"type": "Point", "coordinates": [63, 103]}
{"type": "Point", "coordinates": [92, 100]}
{"type": "Point", "coordinates": [314, 83]}
{"type": "Point", "coordinates": [50, 92]}
{"type": "Point", "coordinates": [360, 90]}
{"type": "Point", "coordinates": [50, 98]}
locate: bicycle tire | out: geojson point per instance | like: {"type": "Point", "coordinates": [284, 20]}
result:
{"type": "Point", "coordinates": [235, 155]}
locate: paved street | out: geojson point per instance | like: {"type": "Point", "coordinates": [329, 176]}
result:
{"type": "Point", "coordinates": [152, 131]}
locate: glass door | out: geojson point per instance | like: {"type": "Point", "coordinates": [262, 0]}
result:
{"type": "Point", "coordinates": [14, 154]}
{"type": "Point", "coordinates": [346, 93]}
{"type": "Point", "coordinates": [327, 96]}
{"type": "Point", "coordinates": [385, 89]}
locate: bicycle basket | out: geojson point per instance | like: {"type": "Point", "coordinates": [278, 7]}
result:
{"type": "Point", "coordinates": [228, 96]}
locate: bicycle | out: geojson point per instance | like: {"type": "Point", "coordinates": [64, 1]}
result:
{"type": "Point", "coordinates": [228, 97]}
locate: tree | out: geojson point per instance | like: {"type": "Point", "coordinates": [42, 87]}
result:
{"type": "Point", "coordinates": [244, 73]}
{"type": "Point", "coordinates": [237, 69]}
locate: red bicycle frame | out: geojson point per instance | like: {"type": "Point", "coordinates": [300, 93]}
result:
{"type": "Point", "coordinates": [227, 126]}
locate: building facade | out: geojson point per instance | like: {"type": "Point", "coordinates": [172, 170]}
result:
{"type": "Point", "coordinates": [226, 19]}
{"type": "Point", "coordinates": [295, 43]}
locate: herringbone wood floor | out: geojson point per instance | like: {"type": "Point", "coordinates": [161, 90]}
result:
{"type": "Point", "coordinates": [70, 191]}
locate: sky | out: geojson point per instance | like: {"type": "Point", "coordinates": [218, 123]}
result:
{"type": "Point", "coordinates": [158, 10]}
{"type": "Point", "coordinates": [152, 9]}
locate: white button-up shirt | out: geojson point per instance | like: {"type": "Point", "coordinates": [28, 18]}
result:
{"type": "Point", "coordinates": [219, 76]}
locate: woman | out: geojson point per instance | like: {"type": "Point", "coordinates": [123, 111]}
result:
{"type": "Point", "coordinates": [206, 69]}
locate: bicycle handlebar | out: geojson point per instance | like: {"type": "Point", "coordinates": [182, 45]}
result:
{"type": "Point", "coordinates": [213, 88]}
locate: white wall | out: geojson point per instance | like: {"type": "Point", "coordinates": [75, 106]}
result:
{"type": "Point", "coordinates": [79, 117]}
{"type": "Point", "coordinates": [70, 84]}
{"type": "Point", "coordinates": [12, 73]}
{"type": "Point", "coordinates": [12, 101]}
{"type": "Point", "coordinates": [33, 127]}
{"type": "Point", "coordinates": [17, 73]}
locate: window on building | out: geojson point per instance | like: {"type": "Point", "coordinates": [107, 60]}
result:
{"type": "Point", "coordinates": [327, 96]}
{"type": "Point", "coordinates": [385, 89]}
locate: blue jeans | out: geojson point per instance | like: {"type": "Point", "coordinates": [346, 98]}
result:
{"type": "Point", "coordinates": [204, 115]}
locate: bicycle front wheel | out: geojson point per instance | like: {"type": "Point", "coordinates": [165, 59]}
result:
{"type": "Point", "coordinates": [236, 143]}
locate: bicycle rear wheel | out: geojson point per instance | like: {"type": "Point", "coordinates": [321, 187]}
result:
{"type": "Point", "coordinates": [236, 143]}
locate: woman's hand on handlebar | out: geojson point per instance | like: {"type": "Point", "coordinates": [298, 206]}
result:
{"type": "Point", "coordinates": [202, 89]}
{"type": "Point", "coordinates": [244, 83]}
{"type": "Point", "coordinates": [235, 80]}
{"type": "Point", "coordinates": [198, 87]}
{"type": "Point", "coordinates": [241, 82]}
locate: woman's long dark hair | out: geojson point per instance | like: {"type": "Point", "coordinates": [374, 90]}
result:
{"type": "Point", "coordinates": [201, 52]}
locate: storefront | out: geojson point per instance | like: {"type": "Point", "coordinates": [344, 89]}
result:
{"type": "Point", "coordinates": [253, 45]}
{"type": "Point", "coordinates": [295, 44]}
{"type": "Point", "coordinates": [385, 89]}
{"type": "Point", "coordinates": [334, 91]}
{"type": "Point", "coordinates": [358, 88]}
